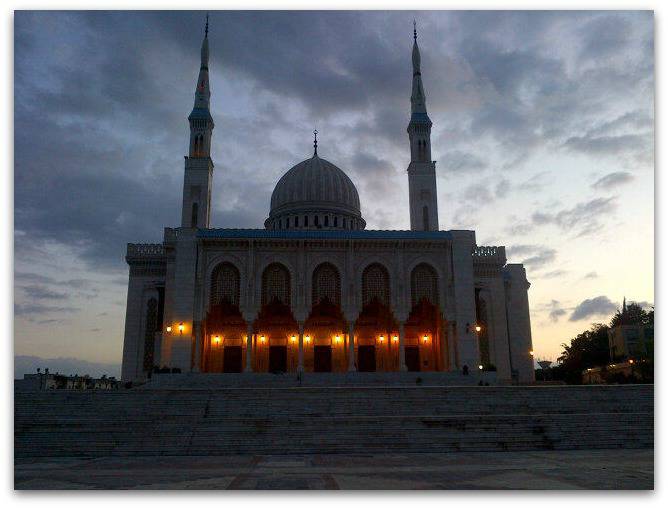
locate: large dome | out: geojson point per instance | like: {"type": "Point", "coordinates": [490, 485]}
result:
{"type": "Point", "coordinates": [315, 194]}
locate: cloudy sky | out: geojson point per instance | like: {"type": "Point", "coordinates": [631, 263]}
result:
{"type": "Point", "coordinates": [543, 135]}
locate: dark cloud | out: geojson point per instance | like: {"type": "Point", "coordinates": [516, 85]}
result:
{"type": "Point", "coordinates": [533, 256]}
{"type": "Point", "coordinates": [36, 309]}
{"type": "Point", "coordinates": [36, 292]}
{"type": "Point", "coordinates": [458, 161]}
{"type": "Point", "coordinates": [584, 217]}
{"type": "Point", "coordinates": [612, 180]}
{"type": "Point", "coordinates": [600, 306]}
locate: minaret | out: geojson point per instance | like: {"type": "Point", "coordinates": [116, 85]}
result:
{"type": "Point", "coordinates": [198, 164]}
{"type": "Point", "coordinates": [421, 170]}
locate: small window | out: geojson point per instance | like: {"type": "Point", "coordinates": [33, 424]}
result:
{"type": "Point", "coordinates": [336, 222]}
{"type": "Point", "coordinates": [296, 222]}
{"type": "Point", "coordinates": [317, 222]}
{"type": "Point", "coordinates": [344, 223]}
{"type": "Point", "coordinates": [193, 217]}
{"type": "Point", "coordinates": [326, 220]}
{"type": "Point", "coordinates": [305, 221]}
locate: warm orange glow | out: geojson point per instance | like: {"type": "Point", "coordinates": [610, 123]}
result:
{"type": "Point", "coordinates": [262, 339]}
{"type": "Point", "coordinates": [631, 361]}
{"type": "Point", "coordinates": [478, 328]}
{"type": "Point", "coordinates": [425, 338]}
{"type": "Point", "coordinates": [395, 338]}
{"type": "Point", "coordinates": [169, 329]}
{"type": "Point", "coordinates": [307, 339]}
{"type": "Point", "coordinates": [381, 338]}
{"type": "Point", "coordinates": [181, 327]}
{"type": "Point", "coordinates": [293, 338]}
{"type": "Point", "coordinates": [531, 353]}
{"type": "Point", "coordinates": [216, 339]}
{"type": "Point", "coordinates": [338, 339]}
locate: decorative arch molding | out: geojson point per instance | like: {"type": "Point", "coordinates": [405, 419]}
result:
{"type": "Point", "coordinates": [361, 263]}
{"type": "Point", "coordinates": [376, 285]}
{"type": "Point", "coordinates": [225, 285]}
{"type": "Point", "coordinates": [265, 261]}
{"type": "Point", "coordinates": [276, 284]}
{"type": "Point", "coordinates": [215, 261]}
{"type": "Point", "coordinates": [424, 284]}
{"type": "Point", "coordinates": [326, 284]}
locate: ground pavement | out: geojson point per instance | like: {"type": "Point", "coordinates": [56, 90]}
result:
{"type": "Point", "coordinates": [575, 469]}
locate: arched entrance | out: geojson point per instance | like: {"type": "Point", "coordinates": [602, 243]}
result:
{"type": "Point", "coordinates": [275, 344]}
{"type": "Point", "coordinates": [424, 326]}
{"type": "Point", "coordinates": [224, 328]}
{"type": "Point", "coordinates": [376, 328]}
{"type": "Point", "coordinates": [324, 329]}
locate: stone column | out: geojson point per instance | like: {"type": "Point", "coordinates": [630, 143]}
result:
{"type": "Point", "coordinates": [444, 346]}
{"type": "Point", "coordinates": [300, 365]}
{"type": "Point", "coordinates": [351, 346]}
{"type": "Point", "coordinates": [198, 346]}
{"type": "Point", "coordinates": [402, 352]}
{"type": "Point", "coordinates": [249, 348]}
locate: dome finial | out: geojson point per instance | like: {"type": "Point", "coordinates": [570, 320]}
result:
{"type": "Point", "coordinates": [315, 142]}
{"type": "Point", "coordinates": [414, 31]}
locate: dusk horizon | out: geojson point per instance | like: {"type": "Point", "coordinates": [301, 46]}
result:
{"type": "Point", "coordinates": [543, 137]}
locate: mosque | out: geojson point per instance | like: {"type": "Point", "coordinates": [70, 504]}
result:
{"type": "Point", "coordinates": [315, 291]}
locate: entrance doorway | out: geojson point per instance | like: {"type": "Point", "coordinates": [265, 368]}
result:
{"type": "Point", "coordinates": [366, 358]}
{"type": "Point", "coordinates": [322, 359]}
{"type": "Point", "coordinates": [412, 358]}
{"type": "Point", "coordinates": [232, 359]}
{"type": "Point", "coordinates": [278, 358]}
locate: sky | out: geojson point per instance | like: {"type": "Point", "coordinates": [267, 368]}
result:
{"type": "Point", "coordinates": [543, 133]}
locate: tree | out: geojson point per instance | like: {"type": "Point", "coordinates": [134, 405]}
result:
{"type": "Point", "coordinates": [631, 314]}
{"type": "Point", "coordinates": [586, 350]}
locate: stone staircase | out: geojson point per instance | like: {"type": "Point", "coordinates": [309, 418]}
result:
{"type": "Point", "coordinates": [339, 419]}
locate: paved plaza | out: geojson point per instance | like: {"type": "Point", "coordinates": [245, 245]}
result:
{"type": "Point", "coordinates": [581, 469]}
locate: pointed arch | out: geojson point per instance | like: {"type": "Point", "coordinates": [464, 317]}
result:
{"type": "Point", "coordinates": [276, 284]}
{"type": "Point", "coordinates": [424, 284]}
{"type": "Point", "coordinates": [225, 285]}
{"type": "Point", "coordinates": [326, 284]}
{"type": "Point", "coordinates": [375, 284]}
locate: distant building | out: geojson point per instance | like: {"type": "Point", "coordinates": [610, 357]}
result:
{"type": "Point", "coordinates": [630, 340]}
{"type": "Point", "coordinates": [47, 381]}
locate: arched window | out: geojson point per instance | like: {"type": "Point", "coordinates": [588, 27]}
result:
{"type": "Point", "coordinates": [326, 284]}
{"type": "Point", "coordinates": [425, 218]}
{"type": "Point", "coordinates": [316, 221]}
{"type": "Point", "coordinates": [305, 221]}
{"type": "Point", "coordinates": [326, 220]}
{"type": "Point", "coordinates": [276, 284]}
{"type": "Point", "coordinates": [193, 216]}
{"type": "Point", "coordinates": [149, 333]}
{"type": "Point", "coordinates": [344, 223]}
{"type": "Point", "coordinates": [375, 284]}
{"type": "Point", "coordinates": [336, 222]}
{"type": "Point", "coordinates": [225, 283]}
{"type": "Point", "coordinates": [424, 284]}
{"type": "Point", "coordinates": [296, 221]}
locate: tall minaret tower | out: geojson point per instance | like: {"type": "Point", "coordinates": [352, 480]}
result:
{"type": "Point", "coordinates": [198, 164]}
{"type": "Point", "coordinates": [421, 170]}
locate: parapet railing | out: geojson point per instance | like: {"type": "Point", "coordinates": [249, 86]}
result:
{"type": "Point", "coordinates": [136, 250]}
{"type": "Point", "coordinates": [489, 254]}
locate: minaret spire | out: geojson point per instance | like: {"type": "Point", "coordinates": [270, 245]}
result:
{"type": "Point", "coordinates": [422, 170]}
{"type": "Point", "coordinates": [199, 166]}
{"type": "Point", "coordinates": [315, 142]}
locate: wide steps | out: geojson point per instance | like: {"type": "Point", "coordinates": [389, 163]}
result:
{"type": "Point", "coordinates": [334, 419]}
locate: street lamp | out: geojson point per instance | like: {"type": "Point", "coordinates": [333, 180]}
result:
{"type": "Point", "coordinates": [181, 328]}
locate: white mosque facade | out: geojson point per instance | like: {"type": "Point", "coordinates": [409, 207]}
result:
{"type": "Point", "coordinates": [315, 291]}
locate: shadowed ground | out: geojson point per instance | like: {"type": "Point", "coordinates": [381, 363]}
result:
{"type": "Point", "coordinates": [576, 469]}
